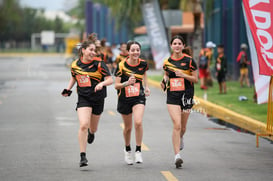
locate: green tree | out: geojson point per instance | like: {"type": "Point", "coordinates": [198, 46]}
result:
{"type": "Point", "coordinates": [10, 17]}
{"type": "Point", "coordinates": [58, 25]}
{"type": "Point", "coordinates": [17, 23]}
{"type": "Point", "coordinates": [79, 12]}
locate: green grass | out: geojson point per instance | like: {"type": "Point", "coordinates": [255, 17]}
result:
{"type": "Point", "coordinates": [230, 100]}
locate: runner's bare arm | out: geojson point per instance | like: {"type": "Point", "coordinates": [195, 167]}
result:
{"type": "Point", "coordinates": [192, 78]}
{"type": "Point", "coordinates": [108, 81]}
{"type": "Point", "coordinates": [164, 81]}
{"type": "Point", "coordinates": [67, 92]}
{"type": "Point", "coordinates": [166, 76]}
{"type": "Point", "coordinates": [71, 83]}
{"type": "Point", "coordinates": [145, 81]}
{"type": "Point", "coordinates": [119, 85]}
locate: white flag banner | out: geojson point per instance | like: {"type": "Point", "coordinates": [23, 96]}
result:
{"type": "Point", "coordinates": [156, 32]}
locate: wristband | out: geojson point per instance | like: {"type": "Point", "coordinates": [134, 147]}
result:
{"type": "Point", "coordinates": [124, 84]}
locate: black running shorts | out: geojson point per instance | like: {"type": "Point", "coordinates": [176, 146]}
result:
{"type": "Point", "coordinates": [221, 78]}
{"type": "Point", "coordinates": [125, 107]}
{"type": "Point", "coordinates": [184, 100]}
{"type": "Point", "coordinates": [97, 106]}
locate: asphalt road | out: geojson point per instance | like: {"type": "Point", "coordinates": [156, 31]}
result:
{"type": "Point", "coordinates": [38, 135]}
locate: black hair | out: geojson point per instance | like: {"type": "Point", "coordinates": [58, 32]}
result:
{"type": "Point", "coordinates": [122, 43]}
{"type": "Point", "coordinates": [90, 40]}
{"type": "Point", "coordinates": [130, 43]}
{"type": "Point", "coordinates": [177, 37]}
{"type": "Point", "coordinates": [220, 46]}
{"type": "Point", "coordinates": [103, 42]}
{"type": "Point", "coordinates": [187, 50]}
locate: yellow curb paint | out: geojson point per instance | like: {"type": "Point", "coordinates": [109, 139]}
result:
{"type": "Point", "coordinates": [224, 114]}
{"type": "Point", "coordinates": [143, 146]}
{"type": "Point", "coordinates": [154, 83]}
{"type": "Point", "coordinates": [112, 113]}
{"type": "Point", "coordinates": [169, 176]}
{"type": "Point", "coordinates": [122, 125]}
{"type": "Point", "coordinates": [229, 116]}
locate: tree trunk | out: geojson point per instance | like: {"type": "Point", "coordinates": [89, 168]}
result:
{"type": "Point", "coordinates": [197, 33]}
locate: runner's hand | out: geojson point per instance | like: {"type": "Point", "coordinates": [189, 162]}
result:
{"type": "Point", "coordinates": [66, 92]}
{"type": "Point", "coordinates": [131, 80]}
{"type": "Point", "coordinates": [164, 82]}
{"type": "Point", "coordinates": [163, 85]}
{"type": "Point", "coordinates": [147, 92]}
{"type": "Point", "coordinates": [65, 95]}
{"type": "Point", "coordinates": [99, 87]}
{"type": "Point", "coordinates": [166, 78]}
{"type": "Point", "coordinates": [179, 74]}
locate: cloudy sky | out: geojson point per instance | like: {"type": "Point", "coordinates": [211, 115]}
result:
{"type": "Point", "coordinates": [49, 4]}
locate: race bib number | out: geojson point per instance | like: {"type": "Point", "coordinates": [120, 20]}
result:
{"type": "Point", "coordinates": [177, 84]}
{"type": "Point", "coordinates": [83, 80]}
{"type": "Point", "coordinates": [132, 90]}
{"type": "Point", "coordinates": [218, 66]}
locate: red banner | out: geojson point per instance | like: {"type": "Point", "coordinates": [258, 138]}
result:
{"type": "Point", "coordinates": [259, 14]}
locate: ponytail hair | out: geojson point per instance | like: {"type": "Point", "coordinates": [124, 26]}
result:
{"type": "Point", "coordinates": [187, 50]}
{"type": "Point", "coordinates": [91, 39]}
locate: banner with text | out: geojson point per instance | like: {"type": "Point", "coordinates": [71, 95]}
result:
{"type": "Point", "coordinates": [156, 31]}
{"type": "Point", "coordinates": [258, 16]}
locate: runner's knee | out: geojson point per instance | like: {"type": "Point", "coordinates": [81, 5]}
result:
{"type": "Point", "coordinates": [177, 127]}
{"type": "Point", "coordinates": [83, 126]}
{"type": "Point", "coordinates": [127, 129]}
{"type": "Point", "coordinates": [138, 124]}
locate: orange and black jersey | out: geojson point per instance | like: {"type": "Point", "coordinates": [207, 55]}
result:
{"type": "Point", "coordinates": [186, 64]}
{"type": "Point", "coordinates": [124, 71]}
{"type": "Point", "coordinates": [103, 57]}
{"type": "Point", "coordinates": [121, 57]}
{"type": "Point", "coordinates": [88, 75]}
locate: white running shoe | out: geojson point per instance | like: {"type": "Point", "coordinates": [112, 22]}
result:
{"type": "Point", "coordinates": [128, 157]}
{"type": "Point", "coordinates": [138, 157]}
{"type": "Point", "coordinates": [178, 161]}
{"type": "Point", "coordinates": [181, 143]}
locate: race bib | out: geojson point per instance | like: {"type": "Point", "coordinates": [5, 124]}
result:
{"type": "Point", "coordinates": [83, 80]}
{"type": "Point", "coordinates": [132, 90]}
{"type": "Point", "coordinates": [177, 84]}
{"type": "Point", "coordinates": [218, 66]}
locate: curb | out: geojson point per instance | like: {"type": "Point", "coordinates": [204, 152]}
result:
{"type": "Point", "coordinates": [225, 114]}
